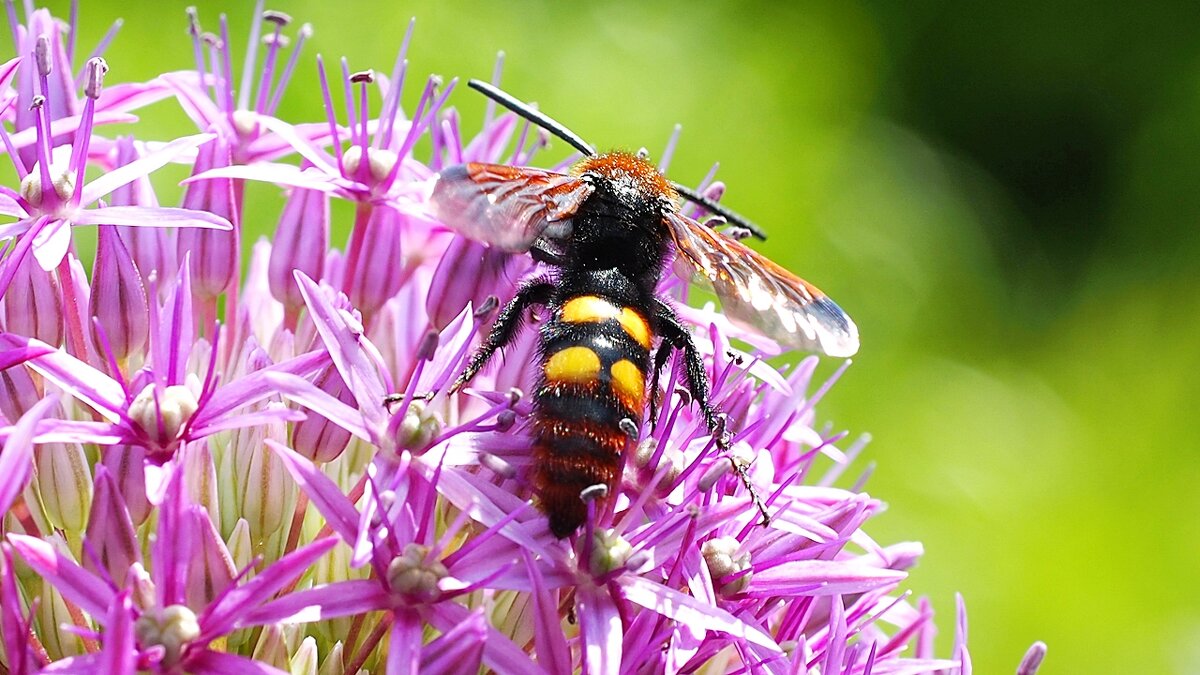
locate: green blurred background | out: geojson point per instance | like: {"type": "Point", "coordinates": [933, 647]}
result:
{"type": "Point", "coordinates": [1003, 195]}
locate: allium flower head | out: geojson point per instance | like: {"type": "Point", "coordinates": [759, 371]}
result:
{"type": "Point", "coordinates": [207, 471]}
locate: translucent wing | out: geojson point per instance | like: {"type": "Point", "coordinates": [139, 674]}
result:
{"type": "Point", "coordinates": [760, 295]}
{"type": "Point", "coordinates": [508, 207]}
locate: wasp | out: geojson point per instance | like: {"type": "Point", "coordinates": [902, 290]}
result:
{"type": "Point", "coordinates": [606, 231]}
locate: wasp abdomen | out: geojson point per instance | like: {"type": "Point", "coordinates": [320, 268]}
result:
{"type": "Point", "coordinates": [595, 353]}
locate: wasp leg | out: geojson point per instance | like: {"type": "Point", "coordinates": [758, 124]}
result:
{"type": "Point", "coordinates": [535, 292]}
{"type": "Point", "coordinates": [674, 333]}
{"type": "Point", "coordinates": [660, 361]}
{"type": "Point", "coordinates": [677, 336]}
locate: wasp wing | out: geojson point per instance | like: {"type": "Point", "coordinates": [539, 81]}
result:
{"type": "Point", "coordinates": [760, 295]}
{"type": "Point", "coordinates": [508, 207]}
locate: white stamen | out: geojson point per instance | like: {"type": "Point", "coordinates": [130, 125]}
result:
{"type": "Point", "coordinates": [722, 557]}
{"type": "Point", "coordinates": [171, 627]}
{"type": "Point", "coordinates": [176, 404]}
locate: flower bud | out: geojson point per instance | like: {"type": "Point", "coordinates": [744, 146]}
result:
{"type": "Point", "coordinates": [470, 272]}
{"type": "Point", "coordinates": [215, 254]}
{"type": "Point", "coordinates": [315, 436]}
{"type": "Point", "coordinates": [329, 569]}
{"type": "Point", "coordinates": [126, 465]}
{"type": "Point", "coordinates": [18, 393]}
{"type": "Point", "coordinates": [300, 243]}
{"type": "Point", "coordinates": [304, 661]}
{"type": "Point", "coordinates": [379, 270]}
{"type": "Point", "coordinates": [118, 299]}
{"type": "Point", "coordinates": [63, 479]}
{"type": "Point", "coordinates": [141, 586]}
{"type": "Point", "coordinates": [264, 486]}
{"type": "Point", "coordinates": [110, 532]}
{"type": "Point", "coordinates": [53, 611]}
{"type": "Point", "coordinates": [211, 570]}
{"type": "Point", "coordinates": [333, 664]}
{"type": "Point", "coordinates": [33, 304]}
{"type": "Point", "coordinates": [271, 649]}
{"type": "Point", "coordinates": [152, 249]}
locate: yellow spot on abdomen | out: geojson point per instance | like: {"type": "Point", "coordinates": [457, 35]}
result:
{"type": "Point", "coordinates": [629, 384]}
{"type": "Point", "coordinates": [589, 308]}
{"type": "Point", "coordinates": [593, 309]}
{"type": "Point", "coordinates": [573, 364]}
{"type": "Point", "coordinates": [636, 326]}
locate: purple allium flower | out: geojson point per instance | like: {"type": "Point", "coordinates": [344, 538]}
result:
{"type": "Point", "coordinates": [294, 487]}
{"type": "Point", "coordinates": [53, 195]}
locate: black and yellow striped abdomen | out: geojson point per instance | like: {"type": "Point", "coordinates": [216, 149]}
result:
{"type": "Point", "coordinates": [595, 353]}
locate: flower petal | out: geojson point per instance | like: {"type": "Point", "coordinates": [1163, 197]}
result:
{"type": "Point", "coordinates": [130, 96]}
{"type": "Point", "coordinates": [312, 397]}
{"type": "Point", "coordinates": [458, 650]}
{"type": "Point", "coordinates": [600, 631]}
{"type": "Point", "coordinates": [119, 651]}
{"type": "Point", "coordinates": [404, 645]}
{"type": "Point", "coordinates": [151, 216]}
{"type": "Point", "coordinates": [209, 662]}
{"type": "Point", "coordinates": [270, 172]}
{"type": "Point", "coordinates": [123, 175]}
{"type": "Point", "coordinates": [552, 649]}
{"type": "Point", "coordinates": [69, 125]}
{"type": "Point", "coordinates": [303, 145]}
{"type": "Point", "coordinates": [324, 494]}
{"type": "Point", "coordinates": [500, 654]}
{"type": "Point", "coordinates": [77, 378]}
{"type": "Point", "coordinates": [255, 387]}
{"type": "Point", "coordinates": [16, 461]}
{"type": "Point", "coordinates": [7, 69]}
{"type": "Point", "coordinates": [227, 612]}
{"type": "Point", "coordinates": [32, 349]}
{"type": "Point", "coordinates": [78, 431]}
{"type": "Point", "coordinates": [192, 95]}
{"type": "Point", "coordinates": [821, 577]}
{"type": "Point", "coordinates": [76, 584]}
{"type": "Point", "coordinates": [344, 338]}
{"type": "Point", "coordinates": [12, 208]}
{"type": "Point", "coordinates": [254, 419]}
{"type": "Point", "coordinates": [344, 598]}
{"type": "Point", "coordinates": [686, 609]}
{"type": "Point", "coordinates": [50, 244]}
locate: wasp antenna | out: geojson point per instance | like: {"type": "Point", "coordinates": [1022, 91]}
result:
{"type": "Point", "coordinates": [730, 216]}
{"type": "Point", "coordinates": [532, 114]}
